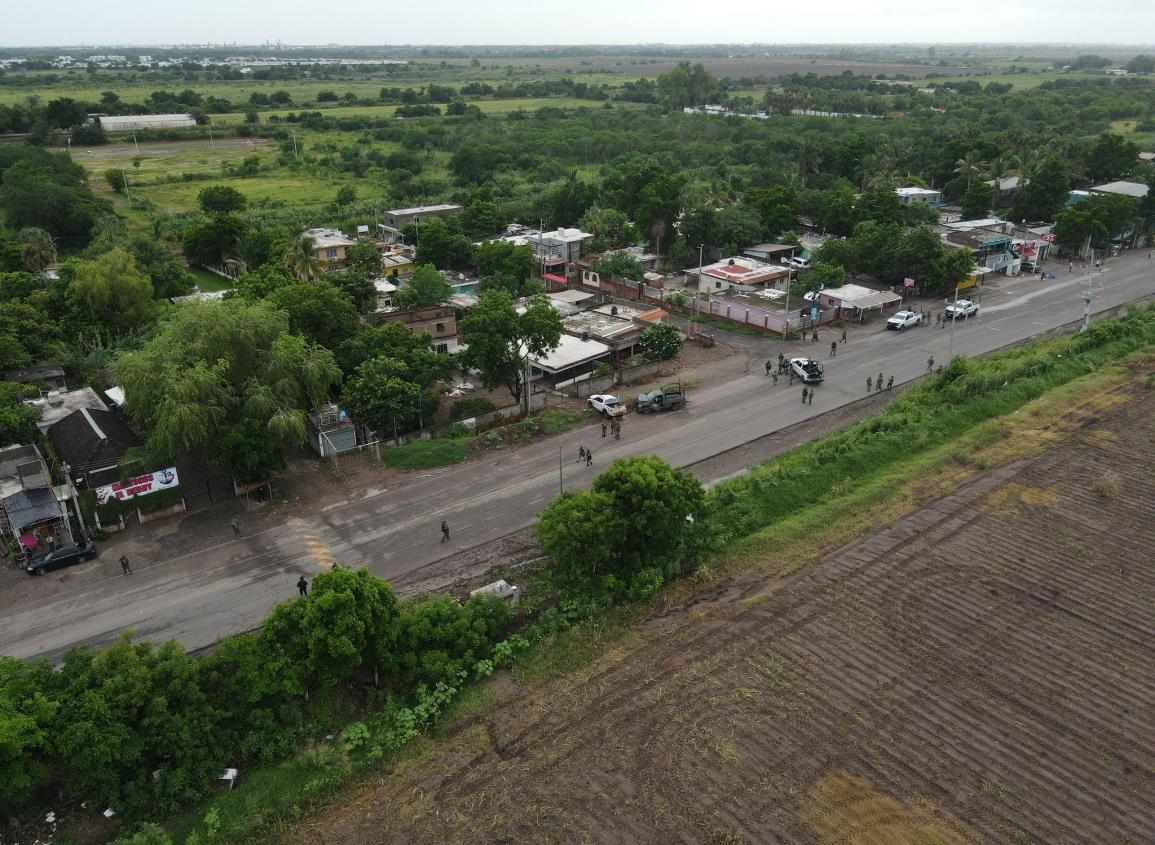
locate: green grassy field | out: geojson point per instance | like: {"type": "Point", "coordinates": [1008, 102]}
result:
{"type": "Point", "coordinates": [1018, 80]}
{"type": "Point", "coordinates": [486, 106]}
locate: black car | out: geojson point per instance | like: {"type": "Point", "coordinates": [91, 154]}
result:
{"type": "Point", "coordinates": [64, 556]}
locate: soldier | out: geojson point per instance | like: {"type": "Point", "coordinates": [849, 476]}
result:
{"type": "Point", "coordinates": [581, 453]}
{"type": "Point", "coordinates": [805, 391]}
{"type": "Point", "coordinates": [930, 363]}
{"type": "Point", "coordinates": [790, 373]}
{"type": "Point", "coordinates": [302, 586]}
{"type": "Point", "coordinates": [768, 368]}
{"type": "Point", "coordinates": [844, 335]}
{"type": "Point", "coordinates": [589, 457]}
{"type": "Point", "coordinates": [833, 349]}
{"type": "Point", "coordinates": [444, 533]}
{"type": "Point", "coordinates": [937, 318]}
{"type": "Point", "coordinates": [603, 428]}
{"type": "Point", "coordinates": [890, 383]}
{"type": "Point", "coordinates": [775, 377]}
{"type": "Point", "coordinates": [811, 399]}
{"type": "Point", "coordinates": [617, 429]}
{"type": "Point", "coordinates": [869, 384]}
{"type": "Point", "coordinates": [124, 565]}
{"type": "Point", "coordinates": [814, 336]}
{"type": "Point", "coordinates": [236, 529]}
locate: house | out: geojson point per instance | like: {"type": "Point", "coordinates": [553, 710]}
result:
{"type": "Point", "coordinates": [331, 247]}
{"type": "Point", "coordinates": [139, 122]}
{"type": "Point", "coordinates": [396, 265]}
{"type": "Point", "coordinates": [908, 196]}
{"type": "Point", "coordinates": [990, 239]}
{"type": "Point", "coordinates": [439, 321]}
{"type": "Point", "coordinates": [91, 443]}
{"type": "Point", "coordinates": [552, 248]}
{"type": "Point", "coordinates": [770, 253]}
{"type": "Point", "coordinates": [397, 218]}
{"type": "Point", "coordinates": [1008, 186]}
{"type": "Point", "coordinates": [855, 300]}
{"type": "Point", "coordinates": [1147, 157]}
{"type": "Point", "coordinates": [385, 291]}
{"type": "Point", "coordinates": [610, 326]}
{"type": "Point", "coordinates": [573, 357]}
{"type": "Point", "coordinates": [744, 273]}
{"type": "Point", "coordinates": [31, 515]}
{"type": "Point", "coordinates": [48, 373]}
{"type": "Point", "coordinates": [57, 404]}
{"type": "Point", "coordinates": [1124, 189]}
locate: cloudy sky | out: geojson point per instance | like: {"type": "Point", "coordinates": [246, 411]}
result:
{"type": "Point", "coordinates": [75, 22]}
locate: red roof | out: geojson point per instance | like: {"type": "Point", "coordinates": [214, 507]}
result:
{"type": "Point", "coordinates": [551, 277]}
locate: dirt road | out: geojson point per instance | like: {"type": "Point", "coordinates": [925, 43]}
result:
{"type": "Point", "coordinates": [979, 671]}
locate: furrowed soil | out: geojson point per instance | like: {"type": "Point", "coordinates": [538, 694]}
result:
{"type": "Point", "coordinates": [980, 670]}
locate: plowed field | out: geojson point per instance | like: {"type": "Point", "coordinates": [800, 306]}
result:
{"type": "Point", "coordinates": [980, 671]}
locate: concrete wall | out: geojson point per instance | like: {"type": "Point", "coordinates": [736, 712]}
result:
{"type": "Point", "coordinates": [583, 388]}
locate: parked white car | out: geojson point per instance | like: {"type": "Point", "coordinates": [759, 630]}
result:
{"type": "Point", "coordinates": [807, 369]}
{"type": "Point", "coordinates": [798, 263]}
{"type": "Point", "coordinates": [961, 310]}
{"type": "Point", "coordinates": [607, 405]}
{"type": "Point", "coordinates": [903, 320]}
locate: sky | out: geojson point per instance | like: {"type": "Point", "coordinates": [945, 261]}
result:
{"type": "Point", "coordinates": [444, 22]}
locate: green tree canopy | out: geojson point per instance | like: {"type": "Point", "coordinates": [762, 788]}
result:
{"type": "Point", "coordinates": [319, 311]}
{"type": "Point", "coordinates": [220, 199]}
{"type": "Point", "coordinates": [210, 364]}
{"type": "Point", "coordinates": [978, 200]}
{"type": "Point", "coordinates": [661, 342]}
{"type": "Point", "coordinates": [115, 293]}
{"type": "Point", "coordinates": [425, 287]}
{"type": "Point", "coordinates": [686, 85]}
{"type": "Point", "coordinates": [499, 338]}
{"type": "Point", "coordinates": [379, 395]}
{"type": "Point", "coordinates": [441, 242]}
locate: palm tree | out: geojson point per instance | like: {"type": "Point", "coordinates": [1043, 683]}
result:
{"type": "Point", "coordinates": [38, 250]}
{"type": "Point", "coordinates": [971, 166]}
{"type": "Point", "coordinates": [1026, 163]}
{"type": "Point", "coordinates": [301, 260]}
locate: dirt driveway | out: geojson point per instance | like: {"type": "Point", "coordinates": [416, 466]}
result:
{"type": "Point", "coordinates": [979, 671]}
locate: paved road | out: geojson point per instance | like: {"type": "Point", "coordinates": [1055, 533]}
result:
{"type": "Point", "coordinates": [393, 530]}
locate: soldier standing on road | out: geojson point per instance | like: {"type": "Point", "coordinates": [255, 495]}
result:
{"type": "Point", "coordinates": [124, 565]}
{"type": "Point", "coordinates": [844, 335]}
{"type": "Point", "coordinates": [805, 391]}
{"type": "Point", "coordinates": [890, 383]}
{"type": "Point", "coordinates": [589, 457]}
{"type": "Point", "coordinates": [879, 382]}
{"type": "Point", "coordinates": [302, 586]}
{"type": "Point", "coordinates": [937, 318]}
{"type": "Point", "coordinates": [869, 384]}
{"type": "Point", "coordinates": [768, 366]}
{"type": "Point", "coordinates": [444, 531]}
{"type": "Point", "coordinates": [236, 528]}
{"type": "Point", "coordinates": [810, 401]}
{"type": "Point", "coordinates": [617, 429]}
{"type": "Point", "coordinates": [790, 372]}
{"type": "Point", "coordinates": [603, 428]}
{"type": "Point", "coordinates": [814, 336]}
{"type": "Point", "coordinates": [581, 453]}
{"type": "Point", "coordinates": [930, 363]}
{"type": "Point", "coordinates": [775, 377]}
{"type": "Point", "coordinates": [833, 349]}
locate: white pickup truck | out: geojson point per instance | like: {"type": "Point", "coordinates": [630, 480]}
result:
{"type": "Point", "coordinates": [961, 310]}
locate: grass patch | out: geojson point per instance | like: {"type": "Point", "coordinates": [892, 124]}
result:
{"type": "Point", "coordinates": [557, 420]}
{"type": "Point", "coordinates": [209, 282]}
{"type": "Point", "coordinates": [427, 454]}
{"type": "Point", "coordinates": [727, 326]}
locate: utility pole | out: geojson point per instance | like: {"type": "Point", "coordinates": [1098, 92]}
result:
{"type": "Point", "coordinates": [127, 193]}
{"type": "Point", "coordinates": [1087, 290]}
{"type": "Point", "coordinates": [134, 143]}
{"type": "Point", "coordinates": [560, 473]}
{"type": "Point", "coordinates": [211, 141]}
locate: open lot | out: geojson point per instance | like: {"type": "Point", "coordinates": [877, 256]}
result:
{"type": "Point", "coordinates": [979, 671]}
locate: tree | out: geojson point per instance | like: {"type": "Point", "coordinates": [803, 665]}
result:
{"type": "Point", "coordinates": [611, 228]}
{"type": "Point", "coordinates": [620, 265]}
{"type": "Point", "coordinates": [114, 291]}
{"type": "Point", "coordinates": [661, 342]}
{"type": "Point", "coordinates": [158, 260]}
{"type": "Point", "coordinates": [318, 311]}
{"type": "Point", "coordinates": [426, 287]}
{"type": "Point", "coordinates": [880, 206]}
{"type": "Point", "coordinates": [482, 217]}
{"type": "Point", "coordinates": [364, 256]}
{"type": "Point", "coordinates": [505, 259]}
{"type": "Point", "coordinates": [686, 85]}
{"type": "Point", "coordinates": [635, 526]}
{"type": "Point", "coordinates": [38, 250]}
{"type": "Point", "coordinates": [1045, 194]}
{"type": "Point", "coordinates": [777, 207]}
{"type": "Point", "coordinates": [300, 259]}
{"type": "Point", "coordinates": [971, 167]}
{"type": "Point", "coordinates": [569, 201]}
{"type": "Point", "coordinates": [499, 339]}
{"type": "Point", "coordinates": [249, 452]}
{"type": "Point", "coordinates": [741, 225]}
{"type": "Point", "coordinates": [210, 242]}
{"type": "Point", "coordinates": [1082, 221]}
{"type": "Point", "coordinates": [346, 195]}
{"type": "Point", "coordinates": [349, 619]}
{"type": "Point", "coordinates": [394, 341]}
{"type": "Point", "coordinates": [26, 712]}
{"type": "Point", "coordinates": [978, 200]}
{"type": "Point", "coordinates": [380, 396]}
{"type": "Point", "coordinates": [825, 275]}
{"type": "Point", "coordinates": [701, 225]}
{"type": "Point", "coordinates": [41, 194]}
{"type": "Point", "coordinates": [1112, 157]}
{"type": "Point", "coordinates": [440, 242]}
{"type": "Point", "coordinates": [17, 420]}
{"type": "Point", "coordinates": [220, 199]}
{"type": "Point", "coordinates": [211, 364]}
{"type": "Point", "coordinates": [1141, 63]}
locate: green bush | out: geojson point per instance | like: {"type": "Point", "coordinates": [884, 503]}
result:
{"type": "Point", "coordinates": [472, 406]}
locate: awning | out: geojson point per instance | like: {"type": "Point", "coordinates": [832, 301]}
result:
{"type": "Point", "coordinates": [877, 300]}
{"type": "Point", "coordinates": [556, 279]}
{"type": "Point", "coordinates": [28, 507]}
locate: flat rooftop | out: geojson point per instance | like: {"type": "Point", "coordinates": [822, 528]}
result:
{"type": "Point", "coordinates": [424, 209]}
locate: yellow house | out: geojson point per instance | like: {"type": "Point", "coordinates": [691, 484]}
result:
{"type": "Point", "coordinates": [331, 247]}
